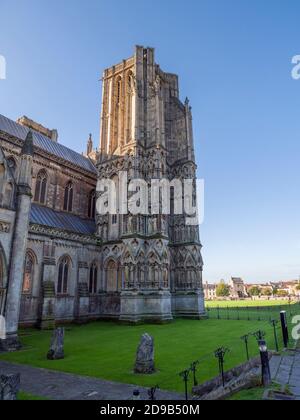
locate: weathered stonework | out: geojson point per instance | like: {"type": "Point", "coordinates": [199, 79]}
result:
{"type": "Point", "coordinates": [59, 262]}
{"type": "Point", "coordinates": [146, 131]}
{"type": "Point", "coordinates": [56, 351]}
{"type": "Point", "coordinates": [144, 363]}
{"type": "Point", "coordinates": [9, 387]}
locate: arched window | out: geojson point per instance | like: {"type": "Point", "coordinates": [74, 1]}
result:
{"type": "Point", "coordinates": [8, 194]}
{"type": "Point", "coordinates": [68, 199]}
{"type": "Point", "coordinates": [93, 279]}
{"type": "Point", "coordinates": [119, 90]}
{"type": "Point", "coordinates": [130, 106]}
{"type": "Point", "coordinates": [12, 165]}
{"type": "Point", "coordinates": [41, 187]}
{"type": "Point", "coordinates": [92, 204]}
{"type": "Point", "coordinates": [117, 115]}
{"type": "Point", "coordinates": [63, 276]}
{"type": "Point", "coordinates": [28, 273]}
{"type": "Point", "coordinates": [112, 277]}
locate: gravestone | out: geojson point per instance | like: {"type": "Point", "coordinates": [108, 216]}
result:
{"type": "Point", "coordinates": [9, 387]}
{"type": "Point", "coordinates": [145, 356]}
{"type": "Point", "coordinates": [56, 351]}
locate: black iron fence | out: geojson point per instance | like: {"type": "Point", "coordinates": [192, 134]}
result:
{"type": "Point", "coordinates": [228, 356]}
{"type": "Point", "coordinates": [241, 350]}
{"type": "Point", "coordinates": [252, 313]}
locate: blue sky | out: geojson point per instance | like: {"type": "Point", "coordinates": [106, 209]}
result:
{"type": "Point", "coordinates": [234, 62]}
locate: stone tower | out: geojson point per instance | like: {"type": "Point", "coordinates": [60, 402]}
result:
{"type": "Point", "coordinates": [147, 131]}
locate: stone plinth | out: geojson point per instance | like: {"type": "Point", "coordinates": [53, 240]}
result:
{"type": "Point", "coordinates": [146, 306]}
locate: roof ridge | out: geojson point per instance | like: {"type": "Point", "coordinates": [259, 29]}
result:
{"type": "Point", "coordinates": [45, 143]}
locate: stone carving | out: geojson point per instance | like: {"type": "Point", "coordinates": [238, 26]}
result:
{"type": "Point", "coordinates": [4, 227]}
{"type": "Point", "coordinates": [145, 356]}
{"type": "Point", "coordinates": [45, 230]}
{"type": "Point", "coordinates": [9, 387]}
{"type": "Point", "coordinates": [130, 224]}
{"type": "Point", "coordinates": [56, 351]}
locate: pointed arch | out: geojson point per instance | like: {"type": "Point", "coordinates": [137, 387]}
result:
{"type": "Point", "coordinates": [130, 106]}
{"type": "Point", "coordinates": [112, 276]}
{"type": "Point", "coordinates": [118, 114]}
{"type": "Point", "coordinates": [41, 187]}
{"type": "Point", "coordinates": [68, 196]}
{"type": "Point", "coordinates": [153, 257]}
{"type": "Point", "coordinates": [8, 194]}
{"type": "Point", "coordinates": [12, 164]}
{"type": "Point", "coordinates": [64, 268]}
{"type": "Point", "coordinates": [29, 269]}
{"type": "Point", "coordinates": [93, 278]}
{"type": "Point", "coordinates": [92, 204]}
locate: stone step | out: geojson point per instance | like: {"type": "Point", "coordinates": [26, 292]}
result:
{"type": "Point", "coordinates": [274, 365]}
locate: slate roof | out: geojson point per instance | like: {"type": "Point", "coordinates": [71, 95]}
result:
{"type": "Point", "coordinates": [42, 142]}
{"type": "Point", "coordinates": [47, 217]}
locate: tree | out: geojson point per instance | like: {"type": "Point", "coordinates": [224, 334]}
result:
{"type": "Point", "coordinates": [282, 293]}
{"type": "Point", "coordinates": [223, 290]}
{"type": "Point", "coordinates": [298, 287]}
{"type": "Point", "coordinates": [266, 292]}
{"type": "Point", "coordinates": [255, 291]}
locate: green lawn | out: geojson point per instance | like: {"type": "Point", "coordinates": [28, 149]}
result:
{"type": "Point", "coordinates": [250, 310]}
{"type": "Point", "coordinates": [243, 303]}
{"type": "Point", "coordinates": [107, 350]}
{"type": "Point", "coordinates": [22, 396]}
{"type": "Point", "coordinates": [254, 394]}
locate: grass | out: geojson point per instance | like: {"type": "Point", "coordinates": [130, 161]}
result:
{"type": "Point", "coordinates": [243, 303]}
{"type": "Point", "coordinates": [244, 310]}
{"type": "Point", "coordinates": [254, 394]}
{"type": "Point", "coordinates": [107, 350]}
{"type": "Point", "coordinates": [23, 396]}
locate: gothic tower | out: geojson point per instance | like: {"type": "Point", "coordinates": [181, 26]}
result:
{"type": "Point", "coordinates": [146, 131]}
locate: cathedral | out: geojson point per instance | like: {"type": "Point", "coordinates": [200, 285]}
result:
{"type": "Point", "coordinates": [62, 262]}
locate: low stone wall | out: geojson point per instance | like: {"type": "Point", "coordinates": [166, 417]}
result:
{"type": "Point", "coordinates": [244, 376]}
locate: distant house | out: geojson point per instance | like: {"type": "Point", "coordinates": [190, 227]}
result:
{"type": "Point", "coordinates": [288, 287]}
{"type": "Point", "coordinates": [238, 288]}
{"type": "Point", "coordinates": [210, 291]}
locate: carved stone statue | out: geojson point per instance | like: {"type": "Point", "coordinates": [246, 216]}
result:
{"type": "Point", "coordinates": [130, 224]}
{"type": "Point", "coordinates": [154, 225]}
{"type": "Point", "coordinates": [164, 225]}
{"type": "Point", "coordinates": [145, 356]}
{"type": "Point", "coordinates": [56, 351]}
{"type": "Point", "coordinates": [9, 387]}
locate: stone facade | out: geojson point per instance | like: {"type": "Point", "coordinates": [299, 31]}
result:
{"type": "Point", "coordinates": [61, 262]}
{"type": "Point", "coordinates": [238, 288]}
{"type": "Point", "coordinates": [210, 291]}
{"type": "Point", "coordinates": [146, 131]}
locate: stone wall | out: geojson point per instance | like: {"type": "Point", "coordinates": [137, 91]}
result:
{"type": "Point", "coordinates": [244, 376]}
{"type": "Point", "coordinates": [58, 176]}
